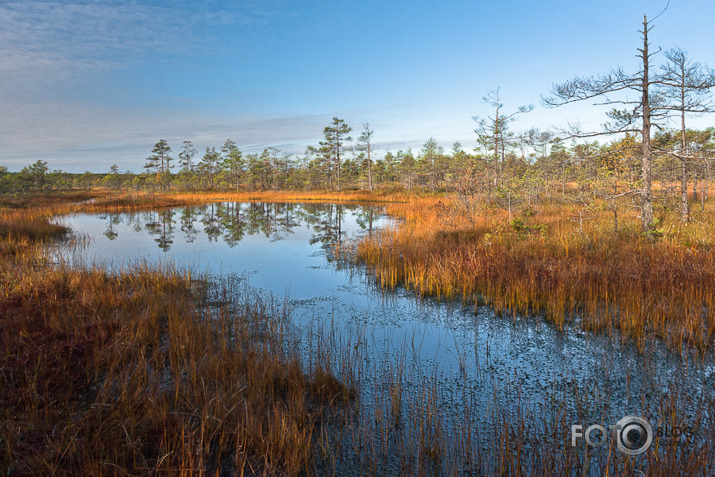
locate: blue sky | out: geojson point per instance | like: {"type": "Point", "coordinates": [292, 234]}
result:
{"type": "Point", "coordinates": [86, 84]}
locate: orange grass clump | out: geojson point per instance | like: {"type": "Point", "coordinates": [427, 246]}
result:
{"type": "Point", "coordinates": [605, 281]}
{"type": "Point", "coordinates": [146, 371]}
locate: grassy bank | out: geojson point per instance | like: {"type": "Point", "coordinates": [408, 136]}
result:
{"type": "Point", "coordinates": [146, 371]}
{"type": "Point", "coordinates": [545, 261]}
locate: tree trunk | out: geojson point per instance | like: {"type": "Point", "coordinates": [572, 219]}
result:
{"type": "Point", "coordinates": [615, 209]}
{"type": "Point", "coordinates": [684, 213]}
{"type": "Point", "coordinates": [337, 167]}
{"type": "Point", "coordinates": [684, 193]}
{"type": "Point", "coordinates": [647, 194]}
{"type": "Point", "coordinates": [509, 199]}
{"type": "Point", "coordinates": [708, 178]}
{"type": "Point", "coordinates": [695, 185]}
{"type": "Point", "coordinates": [369, 167]}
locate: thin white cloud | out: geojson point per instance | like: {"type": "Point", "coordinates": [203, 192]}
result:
{"type": "Point", "coordinates": [81, 136]}
{"type": "Point", "coordinates": [50, 42]}
{"type": "Point", "coordinates": [59, 33]}
{"type": "Point", "coordinates": [53, 52]}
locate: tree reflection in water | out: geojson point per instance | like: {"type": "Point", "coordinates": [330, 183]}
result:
{"type": "Point", "coordinates": [231, 222]}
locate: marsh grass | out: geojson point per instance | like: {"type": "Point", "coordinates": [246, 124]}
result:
{"type": "Point", "coordinates": [408, 422]}
{"type": "Point", "coordinates": [98, 201]}
{"type": "Point", "coordinates": [363, 197]}
{"type": "Point", "coordinates": [147, 371]}
{"type": "Point", "coordinates": [571, 273]}
{"type": "Point", "coordinates": [29, 225]}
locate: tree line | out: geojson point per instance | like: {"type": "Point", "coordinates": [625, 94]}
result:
{"type": "Point", "coordinates": [527, 167]}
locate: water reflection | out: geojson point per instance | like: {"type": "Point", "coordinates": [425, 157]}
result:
{"type": "Point", "coordinates": [231, 222]}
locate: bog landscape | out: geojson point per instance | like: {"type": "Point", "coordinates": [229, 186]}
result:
{"type": "Point", "coordinates": [497, 308]}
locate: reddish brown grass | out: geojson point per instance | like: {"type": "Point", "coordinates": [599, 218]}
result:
{"type": "Point", "coordinates": [625, 282]}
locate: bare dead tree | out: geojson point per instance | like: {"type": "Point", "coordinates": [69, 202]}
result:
{"type": "Point", "coordinates": [686, 86]}
{"type": "Point", "coordinates": [636, 116]}
{"type": "Point", "coordinates": [493, 131]}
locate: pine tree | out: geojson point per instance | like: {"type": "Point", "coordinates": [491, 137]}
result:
{"type": "Point", "coordinates": [335, 137]}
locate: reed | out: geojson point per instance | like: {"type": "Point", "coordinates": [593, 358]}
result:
{"type": "Point", "coordinates": [572, 274]}
{"type": "Point", "coordinates": [147, 371]}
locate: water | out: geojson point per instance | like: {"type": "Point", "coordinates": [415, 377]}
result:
{"type": "Point", "coordinates": [477, 366]}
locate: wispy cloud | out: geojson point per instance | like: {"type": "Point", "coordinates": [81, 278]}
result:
{"type": "Point", "coordinates": [53, 52]}
{"type": "Point", "coordinates": [84, 136]}
{"type": "Point", "coordinates": [44, 41]}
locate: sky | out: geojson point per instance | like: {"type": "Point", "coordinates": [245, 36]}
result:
{"type": "Point", "coordinates": [88, 84]}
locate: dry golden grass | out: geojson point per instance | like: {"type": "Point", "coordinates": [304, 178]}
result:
{"type": "Point", "coordinates": [146, 371]}
{"type": "Point", "coordinates": [294, 196]}
{"type": "Point", "coordinates": [546, 264]}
